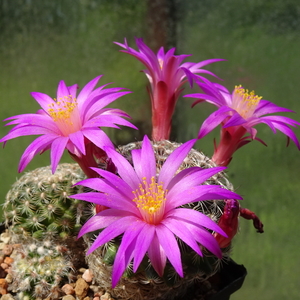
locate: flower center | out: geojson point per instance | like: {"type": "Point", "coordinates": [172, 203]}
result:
{"type": "Point", "coordinates": [64, 113]}
{"type": "Point", "coordinates": [150, 200]}
{"type": "Point", "coordinates": [244, 102]}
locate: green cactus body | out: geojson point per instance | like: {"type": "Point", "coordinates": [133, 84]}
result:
{"type": "Point", "coordinates": [39, 268]}
{"type": "Point", "coordinates": [145, 284]}
{"type": "Point", "coordinates": [45, 221]}
{"type": "Point", "coordinates": [38, 205]}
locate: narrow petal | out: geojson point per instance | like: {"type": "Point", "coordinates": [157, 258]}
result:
{"type": "Point", "coordinates": [62, 91]}
{"type": "Point", "coordinates": [87, 89]}
{"type": "Point", "coordinates": [201, 193]}
{"type": "Point", "coordinates": [24, 131]}
{"type": "Point", "coordinates": [266, 107]}
{"type": "Point", "coordinates": [203, 97]}
{"type": "Point", "coordinates": [214, 120]}
{"type": "Point", "coordinates": [191, 180]}
{"type": "Point", "coordinates": [179, 229]}
{"type": "Point", "coordinates": [197, 218]}
{"type": "Point", "coordinates": [77, 138]}
{"type": "Point", "coordinates": [169, 243]}
{"type": "Point", "coordinates": [107, 121]}
{"type": "Point", "coordinates": [115, 229]}
{"type": "Point", "coordinates": [148, 161]}
{"type": "Point", "coordinates": [97, 95]}
{"type": "Point", "coordinates": [38, 145]}
{"type": "Point", "coordinates": [125, 170]}
{"type": "Point", "coordinates": [178, 177]}
{"type": "Point", "coordinates": [43, 100]}
{"type": "Point", "coordinates": [57, 149]}
{"type": "Point", "coordinates": [123, 258]}
{"type": "Point", "coordinates": [42, 120]}
{"type": "Point", "coordinates": [235, 120]}
{"type": "Point", "coordinates": [205, 238]}
{"type": "Point", "coordinates": [144, 240]}
{"type": "Point", "coordinates": [94, 109]}
{"type": "Point", "coordinates": [136, 160]}
{"type": "Point", "coordinates": [287, 131]}
{"type": "Point", "coordinates": [98, 137]}
{"type": "Point", "coordinates": [157, 256]}
{"type": "Point", "coordinates": [115, 181]}
{"type": "Point", "coordinates": [173, 162]}
{"type": "Point", "coordinates": [101, 220]}
{"type": "Point", "coordinates": [111, 201]}
{"type": "Point", "coordinates": [73, 90]}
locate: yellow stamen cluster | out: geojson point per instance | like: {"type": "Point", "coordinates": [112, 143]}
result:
{"type": "Point", "coordinates": [244, 102]}
{"type": "Point", "coordinates": [63, 108]}
{"type": "Point", "coordinates": [150, 199]}
{"type": "Point", "coordinates": [64, 113]}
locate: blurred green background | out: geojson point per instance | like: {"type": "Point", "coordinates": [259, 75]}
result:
{"type": "Point", "coordinates": [42, 42]}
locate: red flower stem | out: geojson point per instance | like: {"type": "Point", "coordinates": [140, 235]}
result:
{"type": "Point", "coordinates": [229, 143]}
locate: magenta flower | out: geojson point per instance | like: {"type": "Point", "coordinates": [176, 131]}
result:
{"type": "Point", "coordinates": [166, 74]}
{"type": "Point", "coordinates": [146, 208]}
{"type": "Point", "coordinates": [71, 122]}
{"type": "Point", "coordinates": [238, 113]}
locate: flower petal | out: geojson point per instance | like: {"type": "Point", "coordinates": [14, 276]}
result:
{"type": "Point", "coordinates": [24, 131]}
{"type": "Point", "coordinates": [87, 89]}
{"type": "Point", "coordinates": [115, 229]}
{"type": "Point", "coordinates": [192, 180]}
{"type": "Point", "coordinates": [179, 229]}
{"type": "Point", "coordinates": [97, 137]}
{"type": "Point", "coordinates": [200, 193]}
{"type": "Point", "coordinates": [147, 162]}
{"type": "Point", "coordinates": [119, 184]}
{"type": "Point", "coordinates": [173, 162]}
{"type": "Point", "coordinates": [43, 100]}
{"type": "Point", "coordinates": [205, 238]}
{"type": "Point", "coordinates": [169, 243]}
{"type": "Point", "coordinates": [143, 242]}
{"type": "Point", "coordinates": [125, 169]}
{"type": "Point", "coordinates": [62, 91]}
{"type": "Point", "coordinates": [38, 145]}
{"type": "Point", "coordinates": [101, 220]}
{"type": "Point", "coordinates": [77, 138]}
{"type": "Point", "coordinates": [157, 256]}
{"type": "Point", "coordinates": [197, 218]}
{"type": "Point", "coordinates": [123, 256]}
{"type": "Point", "coordinates": [111, 201]}
{"type": "Point", "coordinates": [57, 149]}
{"type": "Point", "coordinates": [216, 118]}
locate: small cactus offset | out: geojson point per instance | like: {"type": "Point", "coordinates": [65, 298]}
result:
{"type": "Point", "coordinates": [38, 204]}
{"type": "Point", "coordinates": [39, 269]}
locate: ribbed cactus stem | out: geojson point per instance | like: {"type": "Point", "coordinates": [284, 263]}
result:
{"type": "Point", "coordinates": [38, 204]}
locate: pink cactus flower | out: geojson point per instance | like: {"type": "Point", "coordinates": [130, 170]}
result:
{"type": "Point", "coordinates": [238, 112]}
{"type": "Point", "coordinates": [146, 208]}
{"type": "Point", "coordinates": [166, 74]}
{"type": "Point", "coordinates": [70, 122]}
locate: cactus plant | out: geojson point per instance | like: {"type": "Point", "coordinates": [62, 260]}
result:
{"type": "Point", "coordinates": [38, 204]}
{"type": "Point", "coordinates": [39, 268]}
{"type": "Point", "coordinates": [45, 221]}
{"type": "Point", "coordinates": [145, 283]}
